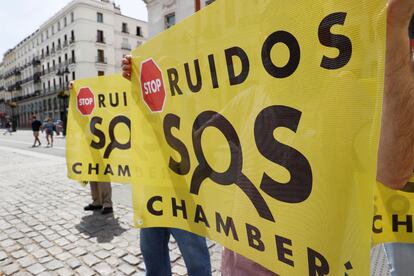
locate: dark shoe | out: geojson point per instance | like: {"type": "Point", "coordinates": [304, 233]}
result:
{"type": "Point", "coordinates": [107, 210]}
{"type": "Point", "coordinates": [91, 207]}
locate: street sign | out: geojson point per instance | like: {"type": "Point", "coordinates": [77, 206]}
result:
{"type": "Point", "coordinates": [152, 85]}
{"type": "Point", "coordinates": [85, 101]}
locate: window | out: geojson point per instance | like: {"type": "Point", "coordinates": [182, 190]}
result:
{"type": "Point", "coordinates": [99, 17]}
{"type": "Point", "coordinates": [208, 2]}
{"type": "Point", "coordinates": [125, 28]}
{"type": "Point", "coordinates": [72, 17]}
{"type": "Point", "coordinates": [139, 32]}
{"type": "Point", "coordinates": [58, 24]}
{"type": "Point", "coordinates": [169, 20]}
{"type": "Point", "coordinates": [73, 56]}
{"type": "Point", "coordinates": [101, 56]}
{"type": "Point", "coordinates": [100, 36]}
{"type": "Point", "coordinates": [73, 75]}
{"type": "Point", "coordinates": [65, 21]}
{"type": "Point", "coordinates": [101, 73]}
{"type": "Point", "coordinates": [72, 36]}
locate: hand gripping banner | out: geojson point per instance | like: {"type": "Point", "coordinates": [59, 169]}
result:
{"type": "Point", "coordinates": [256, 124]}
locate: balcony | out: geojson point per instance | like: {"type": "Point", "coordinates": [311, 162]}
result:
{"type": "Point", "coordinates": [65, 44]}
{"type": "Point", "coordinates": [72, 60]}
{"type": "Point", "coordinates": [36, 77]}
{"type": "Point", "coordinates": [17, 72]}
{"type": "Point", "coordinates": [72, 40]}
{"type": "Point", "coordinates": [35, 61]}
{"type": "Point", "coordinates": [101, 60]}
{"type": "Point", "coordinates": [58, 48]}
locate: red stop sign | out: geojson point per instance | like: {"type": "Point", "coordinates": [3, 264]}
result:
{"type": "Point", "coordinates": [85, 101]}
{"type": "Point", "coordinates": [152, 85]}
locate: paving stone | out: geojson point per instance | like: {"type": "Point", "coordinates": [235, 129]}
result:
{"type": "Point", "coordinates": [119, 252]}
{"type": "Point", "coordinates": [54, 265]}
{"type": "Point", "coordinates": [131, 259]}
{"type": "Point", "coordinates": [55, 250]}
{"type": "Point", "coordinates": [64, 256]}
{"type": "Point", "coordinates": [12, 248]}
{"type": "Point", "coordinates": [10, 269]}
{"type": "Point", "coordinates": [39, 239]}
{"type": "Point", "coordinates": [112, 261]}
{"type": "Point", "coordinates": [179, 270]}
{"type": "Point", "coordinates": [18, 254]}
{"type": "Point", "coordinates": [45, 259]}
{"type": "Point", "coordinates": [141, 266]}
{"type": "Point", "coordinates": [40, 253]}
{"type": "Point", "coordinates": [7, 243]}
{"type": "Point", "coordinates": [22, 273]}
{"type": "Point", "coordinates": [25, 241]}
{"type": "Point", "coordinates": [134, 250]}
{"type": "Point", "coordinates": [107, 246]}
{"type": "Point", "coordinates": [102, 254]}
{"type": "Point", "coordinates": [127, 269]}
{"type": "Point", "coordinates": [103, 269]}
{"type": "Point", "coordinates": [73, 263]}
{"type": "Point", "coordinates": [26, 261]}
{"type": "Point", "coordinates": [85, 271]}
{"type": "Point", "coordinates": [3, 255]}
{"type": "Point", "coordinates": [36, 269]}
{"type": "Point", "coordinates": [46, 244]}
{"type": "Point", "coordinates": [90, 260]}
{"type": "Point", "coordinates": [64, 272]}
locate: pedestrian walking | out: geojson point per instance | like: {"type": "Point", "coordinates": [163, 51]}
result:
{"type": "Point", "coordinates": [48, 127]}
{"type": "Point", "coordinates": [36, 125]}
{"type": "Point", "coordinates": [9, 128]}
{"type": "Point", "coordinates": [101, 193]}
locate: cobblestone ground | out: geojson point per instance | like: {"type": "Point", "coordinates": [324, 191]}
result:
{"type": "Point", "coordinates": [44, 230]}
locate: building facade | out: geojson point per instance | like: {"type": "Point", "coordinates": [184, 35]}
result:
{"type": "Point", "coordinates": [86, 38]}
{"type": "Point", "coordinates": [162, 14]}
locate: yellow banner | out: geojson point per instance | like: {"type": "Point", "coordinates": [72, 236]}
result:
{"type": "Point", "coordinates": [393, 214]}
{"type": "Point", "coordinates": [257, 126]}
{"type": "Point", "coordinates": [98, 141]}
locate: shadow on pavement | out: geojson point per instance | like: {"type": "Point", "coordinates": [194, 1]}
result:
{"type": "Point", "coordinates": [103, 227]}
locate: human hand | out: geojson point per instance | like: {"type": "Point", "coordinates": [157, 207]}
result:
{"type": "Point", "coordinates": [127, 67]}
{"type": "Point", "coordinates": [396, 147]}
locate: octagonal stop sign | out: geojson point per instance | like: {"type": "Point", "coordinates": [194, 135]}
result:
{"type": "Point", "coordinates": [152, 85]}
{"type": "Point", "coordinates": [85, 101]}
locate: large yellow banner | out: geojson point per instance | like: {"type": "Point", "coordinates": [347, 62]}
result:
{"type": "Point", "coordinates": [393, 214]}
{"type": "Point", "coordinates": [257, 126]}
{"type": "Point", "coordinates": [98, 141]}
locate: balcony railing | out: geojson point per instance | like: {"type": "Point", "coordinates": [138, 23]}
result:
{"type": "Point", "coordinates": [72, 40]}
{"type": "Point", "coordinates": [72, 60]}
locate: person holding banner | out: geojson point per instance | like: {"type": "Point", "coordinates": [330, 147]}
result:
{"type": "Point", "coordinates": [101, 197]}
{"type": "Point", "coordinates": [396, 148]}
{"type": "Point", "coordinates": [154, 241]}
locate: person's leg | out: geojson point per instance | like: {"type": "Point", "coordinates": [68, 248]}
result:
{"type": "Point", "coordinates": [96, 197]}
{"type": "Point", "coordinates": [105, 192]}
{"type": "Point", "coordinates": [195, 252]}
{"type": "Point", "coordinates": [154, 248]}
{"type": "Point", "coordinates": [400, 256]}
{"type": "Point", "coordinates": [51, 138]}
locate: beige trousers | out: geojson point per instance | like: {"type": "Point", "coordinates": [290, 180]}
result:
{"type": "Point", "coordinates": [101, 194]}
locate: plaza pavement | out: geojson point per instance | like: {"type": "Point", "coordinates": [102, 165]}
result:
{"type": "Point", "coordinates": [44, 230]}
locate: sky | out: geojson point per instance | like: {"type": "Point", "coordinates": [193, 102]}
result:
{"type": "Point", "coordinates": [20, 18]}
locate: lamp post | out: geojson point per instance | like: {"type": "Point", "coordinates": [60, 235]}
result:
{"type": "Point", "coordinates": [64, 95]}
